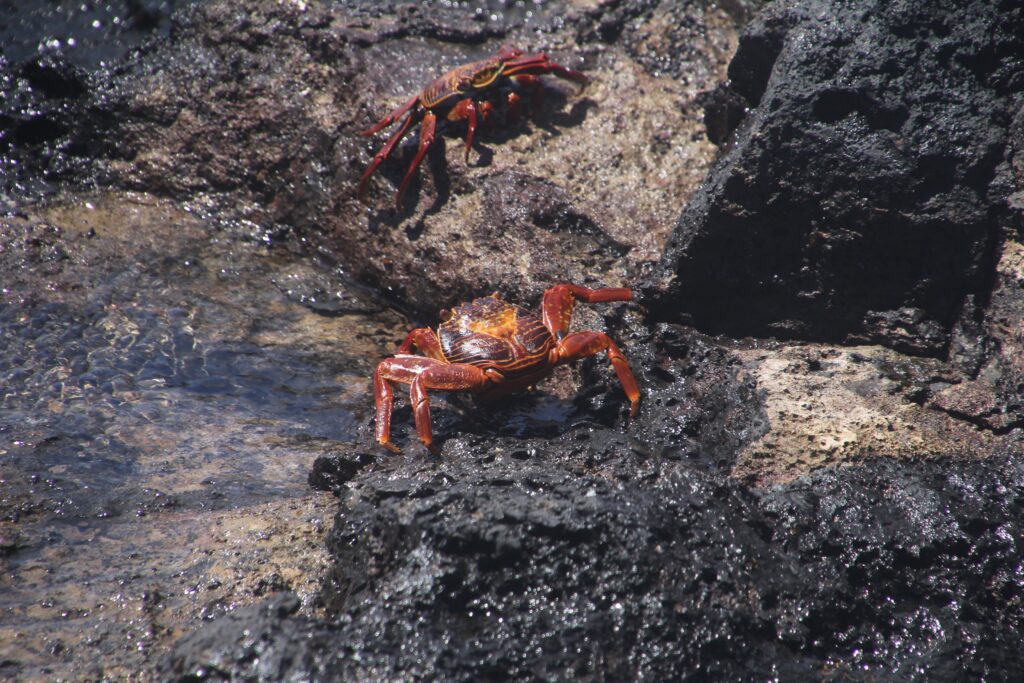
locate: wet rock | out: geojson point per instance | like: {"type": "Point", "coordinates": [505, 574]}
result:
{"type": "Point", "coordinates": [255, 108]}
{"type": "Point", "coordinates": [908, 553]}
{"type": "Point", "coordinates": [330, 473]}
{"type": "Point", "coordinates": [86, 35]}
{"type": "Point", "coordinates": [815, 508]}
{"type": "Point", "coordinates": [53, 56]}
{"type": "Point", "coordinates": [227, 651]}
{"type": "Point", "coordinates": [40, 99]}
{"type": "Point", "coordinates": [862, 197]}
{"type": "Point", "coordinates": [992, 351]}
{"type": "Point", "coordinates": [499, 568]}
{"type": "Point", "coordinates": [324, 292]}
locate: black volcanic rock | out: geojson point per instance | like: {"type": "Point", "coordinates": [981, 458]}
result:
{"type": "Point", "coordinates": [499, 569]}
{"type": "Point", "coordinates": [863, 196]}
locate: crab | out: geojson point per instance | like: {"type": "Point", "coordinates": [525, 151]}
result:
{"type": "Point", "coordinates": [465, 92]}
{"type": "Point", "coordinates": [490, 347]}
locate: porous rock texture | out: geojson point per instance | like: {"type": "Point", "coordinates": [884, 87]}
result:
{"type": "Point", "coordinates": [506, 569]}
{"type": "Point", "coordinates": [864, 197]}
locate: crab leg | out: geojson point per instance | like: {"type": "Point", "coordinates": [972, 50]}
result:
{"type": "Point", "coordinates": [465, 109]}
{"type": "Point", "coordinates": [424, 339]}
{"type": "Point", "coordinates": [422, 374]}
{"type": "Point", "coordinates": [426, 140]}
{"type": "Point", "coordinates": [514, 107]}
{"type": "Point", "coordinates": [379, 158]}
{"type": "Point", "coordinates": [392, 117]}
{"type": "Point", "coordinates": [583, 344]}
{"type": "Point", "coordinates": [445, 377]}
{"type": "Point", "coordinates": [399, 369]}
{"type": "Point", "coordinates": [556, 309]}
{"type": "Point", "coordinates": [486, 111]}
{"type": "Point", "coordinates": [539, 64]}
{"type": "Point", "coordinates": [531, 84]}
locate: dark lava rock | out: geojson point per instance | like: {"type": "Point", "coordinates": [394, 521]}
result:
{"type": "Point", "coordinates": [498, 569]}
{"type": "Point", "coordinates": [39, 100]}
{"type": "Point", "coordinates": [52, 55]}
{"type": "Point", "coordinates": [331, 473]}
{"type": "Point", "coordinates": [863, 197]}
{"type": "Point", "coordinates": [251, 643]}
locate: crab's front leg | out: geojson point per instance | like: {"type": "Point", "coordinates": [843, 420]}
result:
{"type": "Point", "coordinates": [539, 64]}
{"type": "Point", "coordinates": [465, 109]}
{"type": "Point", "coordinates": [426, 140]}
{"type": "Point", "coordinates": [584, 344]}
{"type": "Point", "coordinates": [396, 114]}
{"type": "Point", "coordinates": [558, 303]}
{"type": "Point", "coordinates": [424, 339]}
{"type": "Point", "coordinates": [447, 378]}
{"type": "Point", "coordinates": [385, 151]}
{"type": "Point", "coordinates": [421, 374]}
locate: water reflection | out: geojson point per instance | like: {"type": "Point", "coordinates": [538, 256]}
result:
{"type": "Point", "coordinates": [156, 386]}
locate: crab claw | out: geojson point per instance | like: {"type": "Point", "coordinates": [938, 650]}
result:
{"type": "Point", "coordinates": [538, 64]}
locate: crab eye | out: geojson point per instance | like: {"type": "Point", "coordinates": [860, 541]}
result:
{"type": "Point", "coordinates": [507, 52]}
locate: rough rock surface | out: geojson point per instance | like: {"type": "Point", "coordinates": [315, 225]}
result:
{"type": "Point", "coordinates": [505, 568]}
{"type": "Point", "coordinates": [695, 542]}
{"type": "Point", "coordinates": [864, 197]}
{"type": "Point", "coordinates": [257, 106]}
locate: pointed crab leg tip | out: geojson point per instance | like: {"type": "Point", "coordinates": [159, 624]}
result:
{"type": "Point", "coordinates": [390, 446]}
{"type": "Point", "coordinates": [398, 199]}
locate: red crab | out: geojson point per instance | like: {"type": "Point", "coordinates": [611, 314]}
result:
{"type": "Point", "coordinates": [490, 347]}
{"type": "Point", "coordinates": [461, 94]}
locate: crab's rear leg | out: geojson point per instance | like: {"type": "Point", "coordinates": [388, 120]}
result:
{"type": "Point", "coordinates": [385, 151]}
{"type": "Point", "coordinates": [426, 140]}
{"type": "Point", "coordinates": [558, 303]}
{"type": "Point", "coordinates": [465, 109]}
{"type": "Point", "coordinates": [584, 344]}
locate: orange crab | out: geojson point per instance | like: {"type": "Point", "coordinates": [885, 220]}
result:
{"type": "Point", "coordinates": [463, 93]}
{"type": "Point", "coordinates": [490, 347]}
